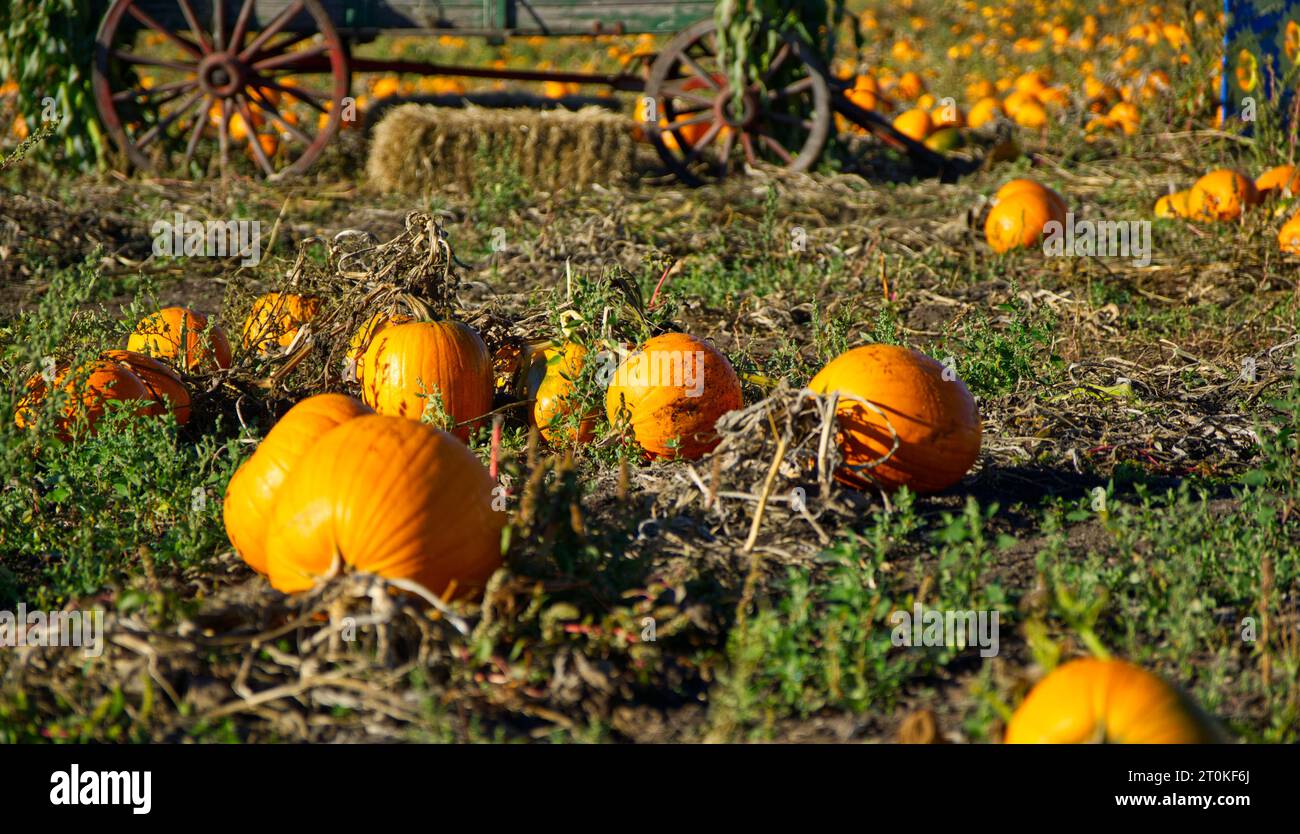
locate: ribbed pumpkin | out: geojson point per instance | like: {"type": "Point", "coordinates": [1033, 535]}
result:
{"type": "Point", "coordinates": [1024, 185]}
{"type": "Point", "coordinates": [89, 389]}
{"type": "Point", "coordinates": [164, 385]}
{"type": "Point", "coordinates": [1222, 195]}
{"type": "Point", "coordinates": [669, 417]}
{"type": "Point", "coordinates": [160, 335]}
{"type": "Point", "coordinates": [389, 496]}
{"type": "Point", "coordinates": [1017, 219]}
{"type": "Point", "coordinates": [275, 319]}
{"type": "Point", "coordinates": [446, 356]}
{"type": "Point", "coordinates": [250, 496]}
{"type": "Point", "coordinates": [559, 369]}
{"type": "Point", "coordinates": [936, 419]}
{"type": "Point", "coordinates": [366, 333]}
{"type": "Point", "coordinates": [1108, 701]}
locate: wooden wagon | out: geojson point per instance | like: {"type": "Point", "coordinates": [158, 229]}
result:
{"type": "Point", "coordinates": [191, 87]}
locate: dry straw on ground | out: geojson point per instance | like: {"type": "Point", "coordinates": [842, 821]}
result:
{"type": "Point", "coordinates": [419, 147]}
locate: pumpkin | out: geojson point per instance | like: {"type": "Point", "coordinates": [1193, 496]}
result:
{"type": "Point", "coordinates": [1017, 220]}
{"type": "Point", "coordinates": [553, 394]}
{"type": "Point", "coordinates": [1279, 180]}
{"type": "Point", "coordinates": [163, 384]}
{"type": "Point", "coordinates": [1288, 237]}
{"type": "Point", "coordinates": [1174, 205]}
{"type": "Point", "coordinates": [1023, 185]}
{"type": "Point", "coordinates": [1108, 701]}
{"type": "Point", "coordinates": [388, 496]}
{"type": "Point", "coordinates": [276, 318]}
{"type": "Point", "coordinates": [1126, 116]}
{"type": "Point", "coordinates": [160, 335]}
{"type": "Point", "coordinates": [251, 493]}
{"type": "Point", "coordinates": [1222, 195]}
{"type": "Point", "coordinates": [914, 124]}
{"type": "Point", "coordinates": [366, 333]}
{"type": "Point", "coordinates": [89, 389]}
{"type": "Point", "coordinates": [673, 390]}
{"type": "Point", "coordinates": [985, 110]}
{"type": "Point", "coordinates": [935, 419]}
{"type": "Point", "coordinates": [448, 356]}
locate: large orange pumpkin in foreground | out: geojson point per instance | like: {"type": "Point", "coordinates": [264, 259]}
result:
{"type": "Point", "coordinates": [937, 422]}
{"type": "Point", "coordinates": [1279, 180]}
{"type": "Point", "coordinates": [1019, 215]}
{"type": "Point", "coordinates": [425, 356]}
{"type": "Point", "coordinates": [251, 494]}
{"type": "Point", "coordinates": [1222, 195]}
{"type": "Point", "coordinates": [1108, 701]}
{"type": "Point", "coordinates": [1288, 237]}
{"type": "Point", "coordinates": [276, 318]}
{"type": "Point", "coordinates": [1174, 205]}
{"type": "Point", "coordinates": [182, 335]}
{"type": "Point", "coordinates": [673, 390]}
{"type": "Point", "coordinates": [389, 496]}
{"type": "Point", "coordinates": [164, 385]}
{"type": "Point", "coordinates": [89, 389]}
{"type": "Point", "coordinates": [554, 399]}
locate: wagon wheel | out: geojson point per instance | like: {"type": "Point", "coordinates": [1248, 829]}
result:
{"type": "Point", "coordinates": [784, 118]}
{"type": "Point", "coordinates": [248, 88]}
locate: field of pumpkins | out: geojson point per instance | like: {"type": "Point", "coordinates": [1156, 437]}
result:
{"type": "Point", "coordinates": [1004, 453]}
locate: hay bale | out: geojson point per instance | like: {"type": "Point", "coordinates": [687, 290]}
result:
{"type": "Point", "coordinates": [416, 148]}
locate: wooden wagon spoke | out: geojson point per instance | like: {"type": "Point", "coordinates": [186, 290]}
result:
{"type": "Point", "coordinates": [141, 94]}
{"type": "Point", "coordinates": [282, 47]}
{"type": "Point", "coordinates": [696, 149]}
{"type": "Point", "coordinates": [148, 20]}
{"type": "Point", "coordinates": [802, 85]}
{"type": "Point", "coordinates": [193, 142]}
{"type": "Point", "coordinates": [693, 120]}
{"type": "Point", "coordinates": [168, 98]}
{"type": "Point", "coordinates": [673, 92]}
{"type": "Point", "coordinates": [145, 60]}
{"type": "Point", "coordinates": [700, 72]}
{"type": "Point", "coordinates": [219, 24]}
{"type": "Point", "coordinates": [279, 22]}
{"type": "Point", "coordinates": [777, 61]}
{"type": "Point", "coordinates": [747, 143]}
{"type": "Point", "coordinates": [204, 43]}
{"type": "Point", "coordinates": [223, 136]}
{"type": "Point", "coordinates": [309, 97]}
{"type": "Point", "coordinates": [287, 59]}
{"type": "Point", "coordinates": [777, 147]}
{"type": "Point", "coordinates": [251, 133]}
{"type": "Point", "coordinates": [154, 132]}
{"type": "Point", "coordinates": [274, 113]}
{"type": "Point", "coordinates": [241, 26]}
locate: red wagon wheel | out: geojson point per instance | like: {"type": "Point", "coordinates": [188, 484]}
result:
{"type": "Point", "coordinates": [702, 131]}
{"type": "Point", "coordinates": [249, 84]}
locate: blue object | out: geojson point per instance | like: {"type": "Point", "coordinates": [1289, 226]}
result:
{"type": "Point", "coordinates": [1261, 48]}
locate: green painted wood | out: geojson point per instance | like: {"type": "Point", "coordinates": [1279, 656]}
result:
{"type": "Point", "coordinates": [525, 17]}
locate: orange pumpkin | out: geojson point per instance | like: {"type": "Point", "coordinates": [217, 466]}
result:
{"type": "Point", "coordinates": [914, 124]}
{"type": "Point", "coordinates": [560, 368]}
{"type": "Point", "coordinates": [1174, 205]}
{"type": "Point", "coordinates": [1274, 181]}
{"type": "Point", "coordinates": [388, 496]}
{"type": "Point", "coordinates": [673, 390]}
{"type": "Point", "coordinates": [985, 110]}
{"type": "Point", "coordinates": [407, 359]}
{"type": "Point", "coordinates": [1222, 195]}
{"type": "Point", "coordinates": [251, 493]}
{"type": "Point", "coordinates": [163, 384]}
{"type": "Point", "coordinates": [1017, 220]}
{"type": "Point", "coordinates": [1288, 237]}
{"type": "Point", "coordinates": [276, 318]}
{"type": "Point", "coordinates": [370, 328]}
{"type": "Point", "coordinates": [89, 389]}
{"type": "Point", "coordinates": [1108, 701]}
{"type": "Point", "coordinates": [935, 419]}
{"type": "Point", "coordinates": [162, 334]}
{"type": "Point", "coordinates": [1022, 185]}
